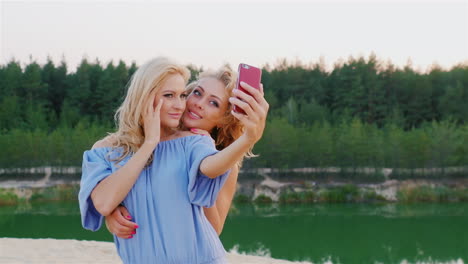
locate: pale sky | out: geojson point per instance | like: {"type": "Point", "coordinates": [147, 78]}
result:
{"type": "Point", "coordinates": [212, 33]}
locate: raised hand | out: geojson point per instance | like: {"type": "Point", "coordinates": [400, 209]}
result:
{"type": "Point", "coordinates": [255, 107]}
{"type": "Point", "coordinates": [152, 120]}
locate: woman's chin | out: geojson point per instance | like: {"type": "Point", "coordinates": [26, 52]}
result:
{"type": "Point", "coordinates": [171, 123]}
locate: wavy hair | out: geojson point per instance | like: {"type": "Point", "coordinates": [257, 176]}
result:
{"type": "Point", "coordinates": [130, 133]}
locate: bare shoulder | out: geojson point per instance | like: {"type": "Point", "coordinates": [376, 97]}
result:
{"type": "Point", "coordinates": [105, 142]}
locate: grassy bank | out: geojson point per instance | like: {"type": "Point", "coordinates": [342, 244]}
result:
{"type": "Point", "coordinates": [353, 194]}
{"type": "Point", "coordinates": [339, 194]}
{"type": "Point", "coordinates": [64, 192]}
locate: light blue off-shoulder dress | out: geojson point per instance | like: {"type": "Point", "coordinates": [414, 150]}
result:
{"type": "Point", "coordinates": [166, 202]}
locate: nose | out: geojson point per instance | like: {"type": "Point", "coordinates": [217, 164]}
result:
{"type": "Point", "coordinates": [180, 104]}
{"type": "Point", "coordinates": [198, 104]}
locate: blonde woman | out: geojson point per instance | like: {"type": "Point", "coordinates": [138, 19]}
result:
{"type": "Point", "coordinates": [164, 176]}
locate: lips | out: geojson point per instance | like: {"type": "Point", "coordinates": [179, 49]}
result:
{"type": "Point", "coordinates": [175, 115]}
{"type": "Point", "coordinates": [194, 115]}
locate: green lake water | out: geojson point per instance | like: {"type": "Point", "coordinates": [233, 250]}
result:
{"type": "Point", "coordinates": [328, 233]}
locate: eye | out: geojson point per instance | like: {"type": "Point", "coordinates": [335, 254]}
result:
{"type": "Point", "coordinates": [214, 103]}
{"type": "Point", "coordinates": [196, 92]}
{"type": "Point", "coordinates": [168, 95]}
{"type": "Point", "coordinates": [184, 96]}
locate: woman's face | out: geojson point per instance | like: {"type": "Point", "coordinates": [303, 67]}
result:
{"type": "Point", "coordinates": [173, 94]}
{"type": "Point", "coordinates": [206, 105]}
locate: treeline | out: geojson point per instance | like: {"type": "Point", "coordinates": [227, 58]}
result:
{"type": "Point", "coordinates": [361, 113]}
{"type": "Point", "coordinates": [353, 145]}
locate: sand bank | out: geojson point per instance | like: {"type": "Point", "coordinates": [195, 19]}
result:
{"type": "Point", "coordinates": [39, 251]}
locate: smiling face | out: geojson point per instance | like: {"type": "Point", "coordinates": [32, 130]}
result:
{"type": "Point", "coordinates": [206, 105]}
{"type": "Point", "coordinates": [173, 94]}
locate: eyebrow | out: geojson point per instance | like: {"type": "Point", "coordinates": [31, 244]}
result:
{"type": "Point", "coordinates": [212, 95]}
{"type": "Point", "coordinates": [168, 91]}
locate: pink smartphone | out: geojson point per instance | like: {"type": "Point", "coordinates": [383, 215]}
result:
{"type": "Point", "coordinates": [250, 75]}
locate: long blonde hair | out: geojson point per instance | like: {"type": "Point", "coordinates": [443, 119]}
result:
{"type": "Point", "coordinates": [130, 133]}
{"type": "Point", "coordinates": [229, 128]}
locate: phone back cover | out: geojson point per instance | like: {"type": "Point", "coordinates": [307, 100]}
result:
{"type": "Point", "coordinates": [251, 76]}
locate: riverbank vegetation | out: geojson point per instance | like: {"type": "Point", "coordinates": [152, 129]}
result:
{"type": "Point", "coordinates": [347, 193]}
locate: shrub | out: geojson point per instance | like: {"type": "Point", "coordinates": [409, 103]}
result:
{"type": "Point", "coordinates": [8, 197]}
{"type": "Point", "coordinates": [289, 197]}
{"type": "Point", "coordinates": [263, 199]}
{"type": "Point", "coordinates": [241, 198]}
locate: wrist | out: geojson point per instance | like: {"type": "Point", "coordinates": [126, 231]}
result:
{"type": "Point", "coordinates": [149, 144]}
{"type": "Point", "coordinates": [246, 140]}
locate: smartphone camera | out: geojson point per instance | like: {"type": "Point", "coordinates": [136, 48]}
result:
{"type": "Point", "coordinates": [245, 66]}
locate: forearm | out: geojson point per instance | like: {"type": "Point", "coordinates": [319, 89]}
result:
{"type": "Point", "coordinates": [217, 164]}
{"type": "Point", "coordinates": [217, 214]}
{"type": "Point", "coordinates": [111, 191]}
{"type": "Point", "coordinates": [213, 217]}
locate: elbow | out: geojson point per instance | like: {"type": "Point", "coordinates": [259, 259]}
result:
{"type": "Point", "coordinates": [219, 229]}
{"type": "Point", "coordinates": [102, 206]}
{"type": "Point", "coordinates": [211, 176]}
{"type": "Point", "coordinates": [103, 209]}
{"type": "Point", "coordinates": [209, 173]}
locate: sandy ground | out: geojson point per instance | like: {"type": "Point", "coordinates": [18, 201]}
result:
{"type": "Point", "coordinates": [51, 251]}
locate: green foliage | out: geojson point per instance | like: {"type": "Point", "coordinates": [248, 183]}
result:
{"type": "Point", "coordinates": [340, 194]}
{"type": "Point", "coordinates": [241, 198]}
{"type": "Point", "coordinates": [7, 197]}
{"type": "Point", "coordinates": [372, 196]}
{"type": "Point", "coordinates": [56, 193]}
{"type": "Point", "coordinates": [429, 194]}
{"type": "Point", "coordinates": [263, 199]}
{"type": "Point", "coordinates": [290, 197]}
{"type": "Point", "coordinates": [360, 114]}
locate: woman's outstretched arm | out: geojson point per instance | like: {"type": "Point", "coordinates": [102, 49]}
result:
{"type": "Point", "coordinates": [256, 108]}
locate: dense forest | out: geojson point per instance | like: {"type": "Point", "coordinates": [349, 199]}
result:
{"type": "Point", "coordinates": [361, 113]}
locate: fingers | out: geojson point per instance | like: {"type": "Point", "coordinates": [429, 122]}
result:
{"type": "Point", "coordinates": [255, 93]}
{"type": "Point", "coordinates": [258, 94]}
{"type": "Point", "coordinates": [157, 110]}
{"type": "Point", "coordinates": [117, 229]}
{"type": "Point", "coordinates": [247, 107]}
{"type": "Point", "coordinates": [119, 223]}
{"type": "Point", "coordinates": [124, 212]}
{"type": "Point", "coordinates": [150, 107]}
{"type": "Point", "coordinates": [199, 131]}
{"type": "Point", "coordinates": [243, 118]}
{"type": "Point", "coordinates": [246, 99]}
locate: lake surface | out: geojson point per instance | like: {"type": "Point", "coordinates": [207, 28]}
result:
{"type": "Point", "coordinates": [329, 233]}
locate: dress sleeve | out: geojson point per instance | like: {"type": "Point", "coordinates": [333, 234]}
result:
{"type": "Point", "coordinates": [95, 168]}
{"type": "Point", "coordinates": [202, 190]}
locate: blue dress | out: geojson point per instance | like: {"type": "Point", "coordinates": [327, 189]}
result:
{"type": "Point", "coordinates": [166, 202]}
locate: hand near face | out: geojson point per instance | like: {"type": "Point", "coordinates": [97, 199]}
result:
{"type": "Point", "coordinates": [152, 121]}
{"type": "Point", "coordinates": [255, 107]}
{"type": "Point", "coordinates": [119, 223]}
